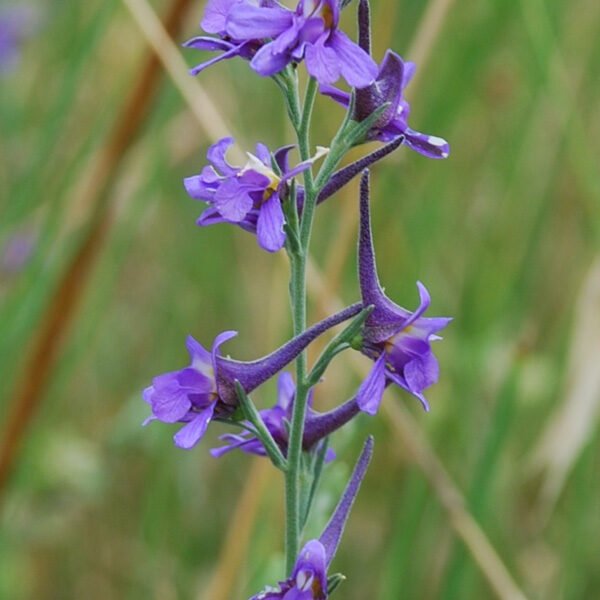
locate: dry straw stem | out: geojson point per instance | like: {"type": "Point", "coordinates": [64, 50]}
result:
{"type": "Point", "coordinates": [60, 311]}
{"type": "Point", "coordinates": [198, 100]}
{"type": "Point", "coordinates": [573, 424]}
{"type": "Point", "coordinates": [238, 536]}
{"type": "Point", "coordinates": [574, 420]}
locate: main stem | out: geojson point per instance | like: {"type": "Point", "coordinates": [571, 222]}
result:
{"type": "Point", "coordinates": [301, 118]}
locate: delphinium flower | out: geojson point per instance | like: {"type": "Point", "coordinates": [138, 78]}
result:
{"type": "Point", "coordinates": [206, 388]}
{"type": "Point", "coordinates": [308, 580]}
{"type": "Point", "coordinates": [399, 341]}
{"type": "Point", "coordinates": [392, 78]}
{"type": "Point", "coordinates": [250, 196]}
{"type": "Point", "coordinates": [205, 185]}
{"type": "Point", "coordinates": [310, 32]}
{"type": "Point", "coordinates": [276, 419]}
{"type": "Point", "coordinates": [214, 21]}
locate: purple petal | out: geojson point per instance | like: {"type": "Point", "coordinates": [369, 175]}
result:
{"type": "Point", "coordinates": [247, 22]}
{"type": "Point", "coordinates": [210, 216]}
{"type": "Point", "coordinates": [267, 61]}
{"type": "Point", "coordinates": [262, 152]}
{"type": "Point", "coordinates": [322, 62]}
{"type": "Point", "coordinates": [427, 145]}
{"type": "Point", "coordinates": [215, 15]}
{"type": "Point", "coordinates": [282, 157]}
{"type": "Point", "coordinates": [209, 44]}
{"type": "Point", "coordinates": [310, 573]}
{"type": "Point", "coordinates": [236, 442]}
{"type": "Point", "coordinates": [286, 390]}
{"type": "Point", "coordinates": [216, 155]}
{"type": "Point", "coordinates": [198, 354]}
{"type": "Point", "coordinates": [198, 188]}
{"type": "Point", "coordinates": [232, 200]}
{"type": "Point", "coordinates": [195, 381]}
{"type": "Point", "coordinates": [409, 72]}
{"type": "Point", "coordinates": [189, 435]}
{"type": "Point", "coordinates": [356, 66]}
{"type": "Point", "coordinates": [170, 406]}
{"type": "Point", "coordinates": [231, 53]}
{"type": "Point", "coordinates": [219, 340]}
{"type": "Point", "coordinates": [425, 301]}
{"type": "Point", "coordinates": [421, 372]}
{"type": "Point", "coordinates": [288, 39]}
{"type": "Point", "coordinates": [336, 94]}
{"type": "Point", "coordinates": [371, 390]}
{"type": "Point", "coordinates": [269, 230]}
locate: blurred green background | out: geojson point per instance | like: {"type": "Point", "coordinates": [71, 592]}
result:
{"type": "Point", "coordinates": [505, 234]}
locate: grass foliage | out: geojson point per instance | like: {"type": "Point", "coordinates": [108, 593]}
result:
{"type": "Point", "coordinates": [505, 235]}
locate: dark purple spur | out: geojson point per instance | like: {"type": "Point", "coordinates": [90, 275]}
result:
{"type": "Point", "coordinates": [399, 341]}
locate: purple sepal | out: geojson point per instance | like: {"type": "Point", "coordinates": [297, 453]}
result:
{"type": "Point", "coordinates": [332, 534]}
{"type": "Point", "coordinates": [398, 340]}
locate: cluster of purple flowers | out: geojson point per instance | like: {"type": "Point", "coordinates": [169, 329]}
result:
{"type": "Point", "coordinates": [264, 198]}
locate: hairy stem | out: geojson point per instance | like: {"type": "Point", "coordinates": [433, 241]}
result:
{"type": "Point", "coordinates": [301, 120]}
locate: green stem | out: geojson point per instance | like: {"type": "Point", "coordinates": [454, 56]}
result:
{"type": "Point", "coordinates": [301, 119]}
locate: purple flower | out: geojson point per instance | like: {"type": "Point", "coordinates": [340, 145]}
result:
{"type": "Point", "coordinates": [310, 32]}
{"type": "Point", "coordinates": [215, 16]}
{"type": "Point", "coordinates": [308, 580]}
{"type": "Point", "coordinates": [393, 76]}
{"type": "Point", "coordinates": [397, 340]}
{"type": "Point", "coordinates": [17, 251]}
{"type": "Point", "coordinates": [249, 196]}
{"type": "Point", "coordinates": [275, 419]}
{"type": "Point", "coordinates": [16, 23]}
{"type": "Point", "coordinates": [206, 388]}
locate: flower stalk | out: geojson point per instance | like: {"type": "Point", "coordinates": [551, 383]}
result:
{"type": "Point", "coordinates": [264, 198]}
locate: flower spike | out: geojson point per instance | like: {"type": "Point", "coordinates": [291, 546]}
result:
{"type": "Point", "coordinates": [397, 340]}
